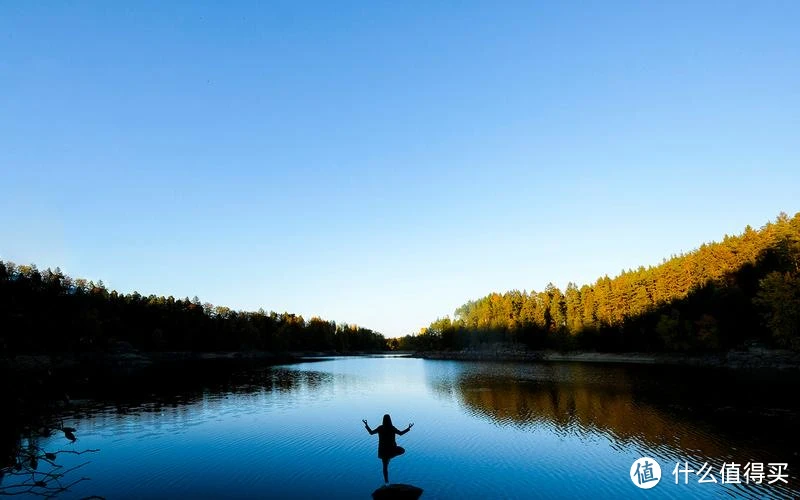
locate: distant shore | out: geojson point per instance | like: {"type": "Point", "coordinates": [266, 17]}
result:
{"type": "Point", "coordinates": [123, 359]}
{"type": "Point", "coordinates": [126, 361]}
{"type": "Point", "coordinates": [754, 358]}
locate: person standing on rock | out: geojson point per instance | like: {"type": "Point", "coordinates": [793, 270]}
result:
{"type": "Point", "coordinates": [387, 446]}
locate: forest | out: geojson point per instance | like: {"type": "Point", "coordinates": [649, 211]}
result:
{"type": "Point", "coordinates": [739, 292]}
{"type": "Point", "coordinates": [47, 311]}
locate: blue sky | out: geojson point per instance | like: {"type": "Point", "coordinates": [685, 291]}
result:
{"type": "Point", "coordinates": [381, 163]}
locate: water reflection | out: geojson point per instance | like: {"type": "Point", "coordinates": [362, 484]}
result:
{"type": "Point", "coordinates": [232, 434]}
{"type": "Point", "coordinates": [191, 400]}
{"type": "Point", "coordinates": [695, 415]}
{"type": "Point", "coordinates": [484, 429]}
{"type": "Point", "coordinates": [579, 406]}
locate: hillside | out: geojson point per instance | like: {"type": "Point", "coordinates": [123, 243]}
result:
{"type": "Point", "coordinates": [723, 295]}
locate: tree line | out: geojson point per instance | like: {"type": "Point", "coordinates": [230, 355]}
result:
{"type": "Point", "coordinates": [723, 295]}
{"type": "Point", "coordinates": [47, 311]}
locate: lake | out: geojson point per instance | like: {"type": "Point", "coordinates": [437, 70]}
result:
{"type": "Point", "coordinates": [482, 430]}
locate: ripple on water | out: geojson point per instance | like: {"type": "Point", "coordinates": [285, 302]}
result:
{"type": "Point", "coordinates": [482, 430]}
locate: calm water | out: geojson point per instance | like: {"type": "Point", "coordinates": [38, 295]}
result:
{"type": "Point", "coordinates": [482, 430]}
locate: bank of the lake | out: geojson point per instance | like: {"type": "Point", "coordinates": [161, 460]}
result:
{"type": "Point", "coordinates": [752, 358]}
{"type": "Point", "coordinates": [123, 362]}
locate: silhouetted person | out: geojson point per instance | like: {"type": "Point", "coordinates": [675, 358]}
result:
{"type": "Point", "coordinates": [387, 446]}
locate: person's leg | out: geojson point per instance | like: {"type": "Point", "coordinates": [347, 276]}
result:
{"type": "Point", "coordinates": [399, 450]}
{"type": "Point", "coordinates": [385, 470]}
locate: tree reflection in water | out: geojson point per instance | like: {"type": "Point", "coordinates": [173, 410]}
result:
{"type": "Point", "coordinates": [681, 412]}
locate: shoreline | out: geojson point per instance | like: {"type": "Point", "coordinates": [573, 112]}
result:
{"type": "Point", "coordinates": [754, 358]}
{"type": "Point", "coordinates": [129, 362]}
{"type": "Point", "coordinates": [133, 360]}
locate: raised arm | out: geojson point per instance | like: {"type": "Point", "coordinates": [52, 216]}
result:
{"type": "Point", "coordinates": [407, 429]}
{"type": "Point", "coordinates": [368, 429]}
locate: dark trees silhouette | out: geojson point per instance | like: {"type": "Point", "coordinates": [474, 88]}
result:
{"type": "Point", "coordinates": [47, 311]}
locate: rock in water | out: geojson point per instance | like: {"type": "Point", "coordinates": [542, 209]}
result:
{"type": "Point", "coordinates": [397, 491]}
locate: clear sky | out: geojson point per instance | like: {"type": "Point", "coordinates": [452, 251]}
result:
{"type": "Point", "coordinates": [380, 163]}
